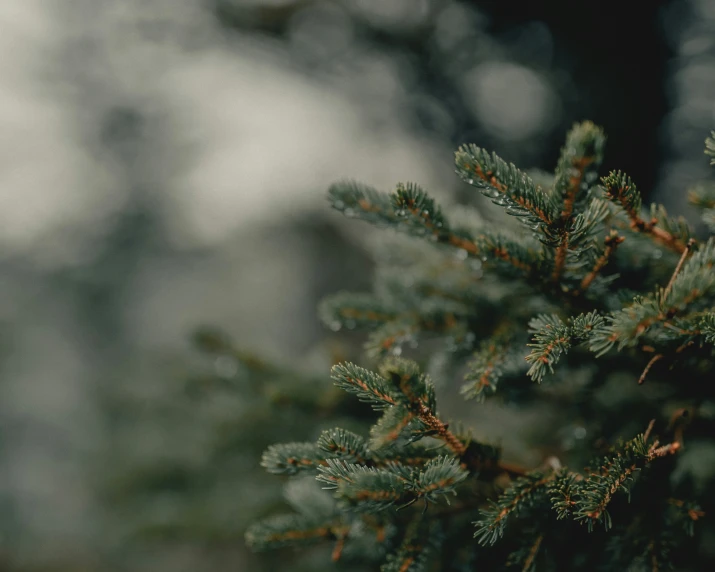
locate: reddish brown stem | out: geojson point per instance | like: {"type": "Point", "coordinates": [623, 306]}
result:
{"type": "Point", "coordinates": [612, 241]}
{"type": "Point", "coordinates": [532, 553]}
{"type": "Point", "coordinates": [638, 224]}
{"type": "Point", "coordinates": [339, 545]}
{"type": "Point", "coordinates": [669, 287]}
{"type": "Point", "coordinates": [654, 359]}
{"type": "Point", "coordinates": [442, 432]}
{"type": "Point", "coordinates": [560, 257]}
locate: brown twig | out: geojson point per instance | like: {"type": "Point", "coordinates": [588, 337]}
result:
{"type": "Point", "coordinates": [663, 236]}
{"type": "Point", "coordinates": [647, 227]}
{"type": "Point", "coordinates": [611, 242]}
{"type": "Point", "coordinates": [649, 430]}
{"type": "Point", "coordinates": [662, 451]}
{"type": "Point", "coordinates": [532, 553]}
{"type": "Point", "coordinates": [574, 185]}
{"type": "Point", "coordinates": [441, 431]}
{"type": "Point", "coordinates": [512, 469]}
{"type": "Point", "coordinates": [560, 257]}
{"type": "Point", "coordinates": [685, 252]}
{"type": "Point", "coordinates": [458, 447]}
{"type": "Point", "coordinates": [654, 359]}
{"type": "Point", "coordinates": [339, 545]}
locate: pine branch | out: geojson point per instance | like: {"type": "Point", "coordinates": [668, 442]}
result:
{"type": "Point", "coordinates": [410, 454]}
{"type": "Point", "coordinates": [620, 189]}
{"type": "Point", "coordinates": [343, 444]}
{"type": "Point", "coordinates": [649, 365]}
{"type": "Point", "coordinates": [413, 455]}
{"type": "Point", "coordinates": [676, 272]}
{"type": "Point", "coordinates": [419, 392]}
{"type": "Point", "coordinates": [369, 489]}
{"type": "Point", "coordinates": [611, 243]}
{"type": "Point", "coordinates": [702, 195]}
{"type": "Point", "coordinates": [485, 367]}
{"type": "Point", "coordinates": [587, 225]}
{"type": "Point", "coordinates": [530, 562]}
{"type": "Point", "coordinates": [412, 211]}
{"type": "Point", "coordinates": [417, 210]}
{"type": "Point", "coordinates": [576, 237]}
{"type": "Point", "coordinates": [409, 210]}
{"type": "Point", "coordinates": [367, 385]}
{"type": "Point", "coordinates": [439, 477]}
{"type": "Point", "coordinates": [555, 223]}
{"type": "Point", "coordinates": [616, 473]}
{"type": "Point", "coordinates": [355, 199]}
{"type": "Point", "coordinates": [553, 338]}
{"type": "Point", "coordinates": [389, 338]}
{"type": "Point", "coordinates": [292, 530]}
{"type": "Point", "coordinates": [685, 515]}
{"type": "Point", "coordinates": [523, 494]}
{"type": "Point", "coordinates": [694, 281]}
{"type": "Point", "coordinates": [216, 342]}
{"type": "Point", "coordinates": [415, 386]}
{"type": "Point", "coordinates": [339, 546]}
{"type": "Point", "coordinates": [397, 316]}
{"type": "Point", "coordinates": [394, 422]}
{"type": "Point", "coordinates": [506, 185]}
{"type": "Point", "coordinates": [578, 166]}
{"type": "Point", "coordinates": [364, 489]}
{"type": "Point", "coordinates": [306, 497]}
{"type": "Point", "coordinates": [442, 317]}
{"type": "Point", "coordinates": [508, 254]}
{"type": "Point", "coordinates": [576, 171]}
{"type": "Point", "coordinates": [291, 458]}
{"type": "Point", "coordinates": [439, 430]}
{"type": "Point", "coordinates": [421, 540]}
{"type": "Point", "coordinates": [677, 227]}
{"type": "Point", "coordinates": [352, 310]}
{"type": "Point", "coordinates": [563, 491]}
{"type": "Point", "coordinates": [407, 398]}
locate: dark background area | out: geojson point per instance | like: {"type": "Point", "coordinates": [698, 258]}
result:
{"type": "Point", "coordinates": [615, 54]}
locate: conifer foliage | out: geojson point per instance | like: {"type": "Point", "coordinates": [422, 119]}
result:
{"type": "Point", "coordinates": [590, 286]}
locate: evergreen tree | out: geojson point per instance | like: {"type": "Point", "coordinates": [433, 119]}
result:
{"type": "Point", "coordinates": [596, 308]}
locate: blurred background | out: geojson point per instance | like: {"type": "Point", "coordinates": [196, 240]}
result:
{"type": "Point", "coordinates": [163, 165]}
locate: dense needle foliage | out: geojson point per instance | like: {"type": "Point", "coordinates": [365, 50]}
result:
{"type": "Point", "coordinates": [600, 310]}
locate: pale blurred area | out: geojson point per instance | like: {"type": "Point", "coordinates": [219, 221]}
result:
{"type": "Point", "coordinates": [163, 164]}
